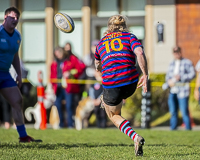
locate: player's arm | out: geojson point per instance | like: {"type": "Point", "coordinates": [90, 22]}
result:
{"type": "Point", "coordinates": [16, 65]}
{"type": "Point", "coordinates": [98, 65]}
{"type": "Point", "coordinates": [97, 61]}
{"type": "Point", "coordinates": [141, 58]}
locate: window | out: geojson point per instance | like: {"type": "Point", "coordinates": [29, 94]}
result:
{"type": "Point", "coordinates": [133, 7]}
{"type": "Point", "coordinates": [72, 8]}
{"type": "Point", "coordinates": [33, 9]}
{"type": "Point", "coordinates": [4, 5]}
{"type": "Point", "coordinates": [102, 31]}
{"type": "Point", "coordinates": [33, 41]}
{"type": "Point", "coordinates": [138, 31]}
{"type": "Point", "coordinates": [74, 38]}
{"type": "Point", "coordinates": [33, 72]}
{"type": "Point", "coordinates": [34, 49]}
{"type": "Point", "coordinates": [34, 38]}
{"type": "Point", "coordinates": [107, 8]}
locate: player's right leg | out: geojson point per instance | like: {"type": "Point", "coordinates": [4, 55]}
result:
{"type": "Point", "coordinates": [10, 91]}
{"type": "Point", "coordinates": [14, 98]}
{"type": "Point", "coordinates": [114, 114]}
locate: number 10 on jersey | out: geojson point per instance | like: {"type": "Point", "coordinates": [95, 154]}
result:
{"type": "Point", "coordinates": [113, 46]}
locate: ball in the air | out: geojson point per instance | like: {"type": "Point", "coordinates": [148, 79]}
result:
{"type": "Point", "coordinates": [64, 22]}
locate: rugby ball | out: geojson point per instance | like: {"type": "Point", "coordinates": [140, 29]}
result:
{"type": "Point", "coordinates": [64, 22]}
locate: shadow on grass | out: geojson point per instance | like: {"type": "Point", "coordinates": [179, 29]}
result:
{"type": "Point", "coordinates": [52, 146]}
{"type": "Point", "coordinates": [49, 146]}
{"type": "Point", "coordinates": [167, 145]}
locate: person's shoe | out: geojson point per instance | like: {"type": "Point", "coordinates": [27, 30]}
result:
{"type": "Point", "coordinates": [28, 139]}
{"type": "Point", "coordinates": [139, 142]}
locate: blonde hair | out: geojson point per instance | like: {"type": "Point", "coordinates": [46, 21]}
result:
{"type": "Point", "coordinates": [117, 23]}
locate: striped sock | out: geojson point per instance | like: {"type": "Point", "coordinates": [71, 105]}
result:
{"type": "Point", "coordinates": [126, 128]}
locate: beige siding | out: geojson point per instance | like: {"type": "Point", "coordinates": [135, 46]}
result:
{"type": "Point", "coordinates": [163, 51]}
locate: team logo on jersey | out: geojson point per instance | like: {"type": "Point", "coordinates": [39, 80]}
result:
{"type": "Point", "coordinates": [18, 41]}
{"type": "Point", "coordinates": [3, 40]}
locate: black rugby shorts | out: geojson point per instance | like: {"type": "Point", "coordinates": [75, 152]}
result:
{"type": "Point", "coordinates": [114, 96]}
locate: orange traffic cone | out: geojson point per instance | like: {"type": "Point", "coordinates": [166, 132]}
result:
{"type": "Point", "coordinates": [40, 95]}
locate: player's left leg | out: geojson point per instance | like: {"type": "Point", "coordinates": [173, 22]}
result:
{"type": "Point", "coordinates": [14, 98]}
{"type": "Point", "coordinates": [114, 113]}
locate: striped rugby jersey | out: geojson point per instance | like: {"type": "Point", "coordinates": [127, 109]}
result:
{"type": "Point", "coordinates": [115, 50]}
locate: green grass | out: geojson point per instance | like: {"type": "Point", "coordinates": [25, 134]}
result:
{"type": "Point", "coordinates": [99, 144]}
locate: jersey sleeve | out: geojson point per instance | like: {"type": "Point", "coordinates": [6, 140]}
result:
{"type": "Point", "coordinates": [97, 56]}
{"type": "Point", "coordinates": [134, 42]}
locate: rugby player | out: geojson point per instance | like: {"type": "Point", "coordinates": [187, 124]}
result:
{"type": "Point", "coordinates": [10, 40]}
{"type": "Point", "coordinates": [115, 57]}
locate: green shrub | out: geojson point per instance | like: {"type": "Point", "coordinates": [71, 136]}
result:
{"type": "Point", "coordinates": [159, 106]}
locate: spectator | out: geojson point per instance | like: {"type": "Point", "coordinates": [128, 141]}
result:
{"type": "Point", "coordinates": [178, 77]}
{"type": "Point", "coordinates": [89, 62]}
{"type": "Point", "coordinates": [73, 68]}
{"type": "Point", "coordinates": [95, 92]}
{"type": "Point", "coordinates": [197, 85]}
{"type": "Point", "coordinates": [56, 73]}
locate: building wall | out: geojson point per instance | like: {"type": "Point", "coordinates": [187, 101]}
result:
{"type": "Point", "coordinates": [188, 28]}
{"type": "Point", "coordinates": [159, 54]}
{"type": "Point", "coordinates": [163, 51]}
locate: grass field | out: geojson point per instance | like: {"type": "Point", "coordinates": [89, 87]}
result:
{"type": "Point", "coordinates": [99, 144]}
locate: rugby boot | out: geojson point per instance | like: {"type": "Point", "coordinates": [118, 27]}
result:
{"type": "Point", "coordinates": [28, 139]}
{"type": "Point", "coordinates": [139, 142]}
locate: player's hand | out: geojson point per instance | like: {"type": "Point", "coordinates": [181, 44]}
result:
{"type": "Point", "coordinates": [66, 74]}
{"type": "Point", "coordinates": [171, 82]}
{"type": "Point", "coordinates": [178, 77]}
{"type": "Point", "coordinates": [19, 81]}
{"type": "Point", "coordinates": [99, 69]}
{"type": "Point", "coordinates": [98, 65]}
{"type": "Point", "coordinates": [143, 83]}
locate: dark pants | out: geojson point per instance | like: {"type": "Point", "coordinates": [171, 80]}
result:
{"type": "Point", "coordinates": [69, 97]}
{"type": "Point", "coordinates": [114, 96]}
{"type": "Point", "coordinates": [101, 116]}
